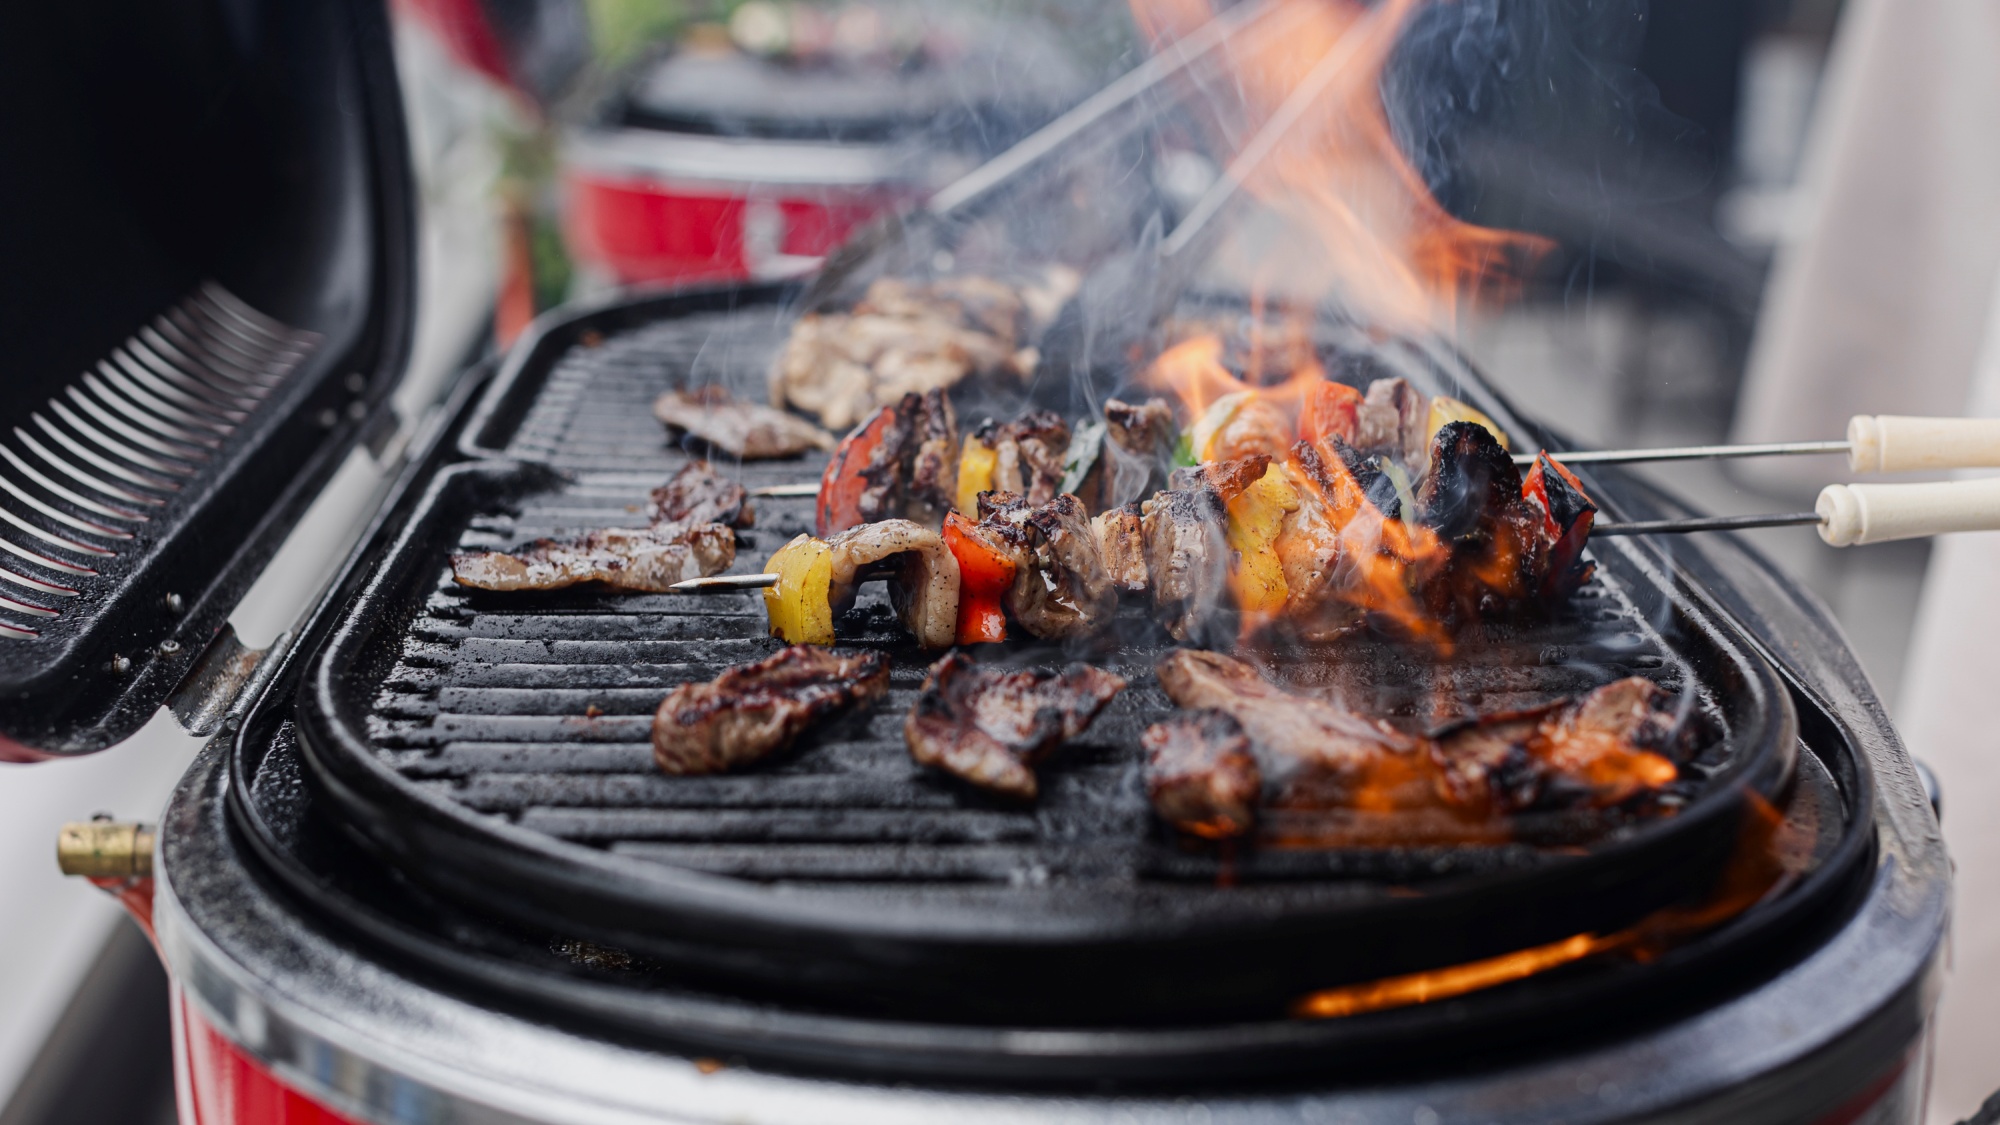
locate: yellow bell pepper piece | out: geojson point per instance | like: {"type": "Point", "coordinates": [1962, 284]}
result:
{"type": "Point", "coordinates": [1451, 410]}
{"type": "Point", "coordinates": [1257, 575]}
{"type": "Point", "coordinates": [1201, 436]}
{"type": "Point", "coordinates": [798, 606]}
{"type": "Point", "coordinates": [975, 475]}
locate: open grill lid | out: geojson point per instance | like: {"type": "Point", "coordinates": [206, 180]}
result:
{"type": "Point", "coordinates": [207, 301]}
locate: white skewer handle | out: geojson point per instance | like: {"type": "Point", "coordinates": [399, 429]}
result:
{"type": "Point", "coordinates": [1894, 443]}
{"type": "Point", "coordinates": [1851, 514]}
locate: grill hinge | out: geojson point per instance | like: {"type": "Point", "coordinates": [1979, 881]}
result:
{"type": "Point", "coordinates": [227, 674]}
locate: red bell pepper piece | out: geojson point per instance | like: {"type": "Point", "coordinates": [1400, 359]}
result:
{"type": "Point", "coordinates": [1329, 412]}
{"type": "Point", "coordinates": [984, 575]}
{"type": "Point", "coordinates": [841, 486]}
{"type": "Point", "coordinates": [1568, 514]}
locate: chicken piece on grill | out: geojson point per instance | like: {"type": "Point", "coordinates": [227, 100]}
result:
{"type": "Point", "coordinates": [991, 727]}
{"type": "Point", "coordinates": [902, 463]}
{"type": "Point", "coordinates": [697, 494]}
{"type": "Point", "coordinates": [905, 337]}
{"type": "Point", "coordinates": [923, 587]}
{"type": "Point", "coordinates": [754, 710]}
{"type": "Point", "coordinates": [1121, 541]}
{"type": "Point", "coordinates": [1596, 751]}
{"type": "Point", "coordinates": [642, 560]}
{"type": "Point", "coordinates": [1027, 454]}
{"type": "Point", "coordinates": [1202, 775]}
{"type": "Point", "coordinates": [1311, 752]}
{"type": "Point", "coordinates": [749, 431]}
{"type": "Point", "coordinates": [1187, 550]}
{"type": "Point", "coordinates": [1061, 588]}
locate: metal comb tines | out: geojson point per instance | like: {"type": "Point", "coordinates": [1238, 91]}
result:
{"type": "Point", "coordinates": [113, 448]}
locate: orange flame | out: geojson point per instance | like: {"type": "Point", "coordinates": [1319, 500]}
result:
{"type": "Point", "coordinates": [1770, 854]}
{"type": "Point", "coordinates": [1384, 246]}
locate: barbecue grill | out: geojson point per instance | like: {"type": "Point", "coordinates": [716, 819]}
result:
{"type": "Point", "coordinates": [429, 873]}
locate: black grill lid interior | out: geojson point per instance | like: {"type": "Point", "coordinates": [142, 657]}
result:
{"type": "Point", "coordinates": [205, 304]}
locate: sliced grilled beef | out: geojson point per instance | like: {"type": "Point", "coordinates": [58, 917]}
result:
{"type": "Point", "coordinates": [1310, 751]}
{"type": "Point", "coordinates": [1201, 774]}
{"type": "Point", "coordinates": [697, 494]}
{"type": "Point", "coordinates": [747, 430]}
{"type": "Point", "coordinates": [755, 710]}
{"type": "Point", "coordinates": [991, 727]}
{"type": "Point", "coordinates": [643, 560]}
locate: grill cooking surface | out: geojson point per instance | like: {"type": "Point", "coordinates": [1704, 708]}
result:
{"type": "Point", "coordinates": [498, 745]}
{"type": "Point", "coordinates": [538, 708]}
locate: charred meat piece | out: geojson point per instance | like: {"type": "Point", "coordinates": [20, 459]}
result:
{"type": "Point", "coordinates": [697, 494]}
{"type": "Point", "coordinates": [747, 430]}
{"type": "Point", "coordinates": [1187, 550]}
{"type": "Point", "coordinates": [1391, 419]}
{"type": "Point", "coordinates": [1061, 586]}
{"type": "Point", "coordinates": [1228, 478]}
{"type": "Point", "coordinates": [755, 710]}
{"type": "Point", "coordinates": [1201, 774]}
{"type": "Point", "coordinates": [642, 560]}
{"type": "Point", "coordinates": [1187, 558]}
{"type": "Point", "coordinates": [1122, 459]}
{"type": "Point", "coordinates": [1312, 753]}
{"type": "Point", "coordinates": [902, 463]}
{"type": "Point", "coordinates": [1620, 741]}
{"type": "Point", "coordinates": [924, 587]}
{"type": "Point", "coordinates": [1121, 540]}
{"type": "Point", "coordinates": [1027, 454]}
{"type": "Point", "coordinates": [992, 727]}
{"type": "Point", "coordinates": [1499, 542]}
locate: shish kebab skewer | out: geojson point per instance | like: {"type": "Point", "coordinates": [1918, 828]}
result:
{"type": "Point", "coordinates": [1879, 443]}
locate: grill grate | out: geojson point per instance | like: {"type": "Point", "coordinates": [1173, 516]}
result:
{"type": "Point", "coordinates": [537, 709]}
{"type": "Point", "coordinates": [80, 482]}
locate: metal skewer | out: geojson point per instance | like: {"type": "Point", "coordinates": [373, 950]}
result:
{"type": "Point", "coordinates": [725, 583]}
{"type": "Point", "coordinates": [1705, 523]}
{"type": "Point", "coordinates": [1688, 452]}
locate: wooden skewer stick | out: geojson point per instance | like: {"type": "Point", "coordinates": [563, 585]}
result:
{"type": "Point", "coordinates": [779, 490]}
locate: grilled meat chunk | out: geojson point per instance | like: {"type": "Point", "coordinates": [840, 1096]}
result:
{"type": "Point", "coordinates": [696, 494]}
{"type": "Point", "coordinates": [750, 431]}
{"type": "Point", "coordinates": [643, 560]}
{"type": "Point", "coordinates": [904, 337]}
{"type": "Point", "coordinates": [1027, 454]}
{"type": "Point", "coordinates": [1187, 558]}
{"type": "Point", "coordinates": [1061, 587]}
{"type": "Point", "coordinates": [1201, 774]}
{"type": "Point", "coordinates": [1310, 751]}
{"type": "Point", "coordinates": [1624, 739]}
{"type": "Point", "coordinates": [1499, 541]}
{"type": "Point", "coordinates": [1134, 455]}
{"type": "Point", "coordinates": [924, 587]}
{"type": "Point", "coordinates": [1391, 419]}
{"type": "Point", "coordinates": [1121, 541]}
{"type": "Point", "coordinates": [992, 727]}
{"type": "Point", "coordinates": [755, 710]}
{"type": "Point", "coordinates": [902, 463]}
{"type": "Point", "coordinates": [1187, 550]}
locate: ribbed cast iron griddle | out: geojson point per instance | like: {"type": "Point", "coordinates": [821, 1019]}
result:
{"type": "Point", "coordinates": [496, 748]}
